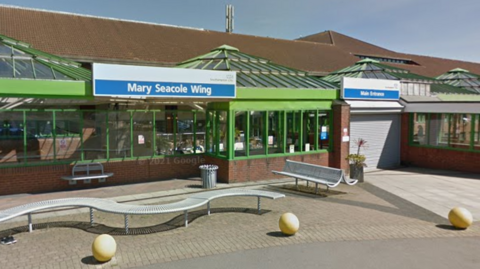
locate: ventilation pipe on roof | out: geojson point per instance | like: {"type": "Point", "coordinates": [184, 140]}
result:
{"type": "Point", "coordinates": [229, 18]}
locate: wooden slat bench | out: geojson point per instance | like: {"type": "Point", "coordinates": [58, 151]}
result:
{"type": "Point", "coordinates": [317, 174]}
{"type": "Point", "coordinates": [110, 206]}
{"type": "Point", "coordinates": [87, 172]}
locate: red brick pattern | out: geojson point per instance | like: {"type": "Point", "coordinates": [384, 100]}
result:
{"type": "Point", "coordinates": [341, 120]}
{"type": "Point", "coordinates": [48, 178]}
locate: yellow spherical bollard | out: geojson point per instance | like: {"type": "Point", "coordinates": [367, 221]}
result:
{"type": "Point", "coordinates": [289, 224]}
{"type": "Point", "coordinates": [460, 217]}
{"type": "Point", "coordinates": [104, 248]}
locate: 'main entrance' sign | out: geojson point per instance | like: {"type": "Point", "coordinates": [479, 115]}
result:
{"type": "Point", "coordinates": [370, 89]}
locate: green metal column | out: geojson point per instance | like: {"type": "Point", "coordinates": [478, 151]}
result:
{"type": "Point", "coordinates": [231, 135]}
{"type": "Point", "coordinates": [82, 124]}
{"type": "Point", "coordinates": [194, 132]}
{"type": "Point", "coordinates": [154, 126]}
{"type": "Point", "coordinates": [265, 133]}
{"type": "Point", "coordinates": [247, 134]}
{"type": "Point", "coordinates": [131, 134]}
{"type": "Point", "coordinates": [315, 133]}
{"type": "Point", "coordinates": [107, 137]}
{"type": "Point", "coordinates": [25, 137]}
{"type": "Point", "coordinates": [54, 135]}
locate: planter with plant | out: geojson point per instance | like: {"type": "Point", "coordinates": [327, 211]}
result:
{"type": "Point", "coordinates": [357, 161]}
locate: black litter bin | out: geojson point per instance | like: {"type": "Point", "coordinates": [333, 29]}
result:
{"type": "Point", "coordinates": [209, 175]}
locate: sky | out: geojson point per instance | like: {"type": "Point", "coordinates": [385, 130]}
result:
{"type": "Point", "coordinates": [439, 28]}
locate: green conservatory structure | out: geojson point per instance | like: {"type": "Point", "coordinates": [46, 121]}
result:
{"type": "Point", "coordinates": [278, 111]}
{"type": "Point", "coordinates": [51, 119]}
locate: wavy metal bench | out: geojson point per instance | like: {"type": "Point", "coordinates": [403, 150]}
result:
{"type": "Point", "coordinates": [328, 176]}
{"type": "Point", "coordinates": [111, 206]}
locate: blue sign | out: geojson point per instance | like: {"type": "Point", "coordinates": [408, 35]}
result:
{"type": "Point", "coordinates": [159, 89]}
{"type": "Point", "coordinates": [370, 94]}
{"type": "Point", "coordinates": [146, 81]}
{"type": "Point", "coordinates": [370, 89]}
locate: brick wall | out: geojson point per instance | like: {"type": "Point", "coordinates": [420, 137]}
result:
{"type": "Point", "coordinates": [48, 178]}
{"type": "Point", "coordinates": [436, 158]}
{"type": "Point", "coordinates": [260, 169]}
{"type": "Point", "coordinates": [341, 120]}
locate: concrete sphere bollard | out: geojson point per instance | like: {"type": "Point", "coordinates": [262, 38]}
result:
{"type": "Point", "coordinates": [104, 248]}
{"type": "Point", "coordinates": [460, 217]}
{"type": "Point", "coordinates": [289, 224]}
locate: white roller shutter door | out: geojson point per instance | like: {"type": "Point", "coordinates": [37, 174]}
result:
{"type": "Point", "coordinates": [382, 133]}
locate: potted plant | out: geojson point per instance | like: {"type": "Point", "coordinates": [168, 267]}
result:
{"type": "Point", "coordinates": [357, 161]}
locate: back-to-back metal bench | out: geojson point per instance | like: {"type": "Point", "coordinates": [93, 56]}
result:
{"type": "Point", "coordinates": [110, 206]}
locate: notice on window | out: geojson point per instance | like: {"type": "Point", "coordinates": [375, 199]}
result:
{"type": "Point", "coordinates": [307, 147]}
{"type": "Point", "coordinates": [141, 139]}
{"type": "Point", "coordinates": [270, 139]}
{"type": "Point", "coordinates": [292, 148]}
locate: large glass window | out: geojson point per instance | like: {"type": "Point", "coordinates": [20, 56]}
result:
{"type": "Point", "coordinates": [67, 135]}
{"type": "Point", "coordinates": [460, 130]}
{"type": "Point", "coordinates": [212, 131]}
{"type": "Point", "coordinates": [476, 133]}
{"type": "Point", "coordinates": [200, 132]}
{"type": "Point", "coordinates": [323, 129]}
{"type": "Point", "coordinates": [419, 128]}
{"type": "Point", "coordinates": [164, 136]}
{"type": "Point", "coordinates": [309, 123]}
{"type": "Point", "coordinates": [94, 135]}
{"type": "Point", "coordinates": [142, 133]}
{"type": "Point", "coordinates": [119, 135]}
{"type": "Point", "coordinates": [184, 136]}
{"type": "Point", "coordinates": [11, 137]}
{"type": "Point", "coordinates": [222, 133]}
{"type": "Point", "coordinates": [257, 133]}
{"type": "Point", "coordinates": [240, 132]}
{"type": "Point", "coordinates": [276, 131]}
{"type": "Point", "coordinates": [293, 131]}
{"type": "Point", "coordinates": [40, 142]}
{"type": "Point", "coordinates": [446, 130]}
{"type": "Point", "coordinates": [438, 130]}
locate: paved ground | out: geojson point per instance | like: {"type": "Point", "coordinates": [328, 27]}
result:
{"type": "Point", "coordinates": [439, 253]}
{"type": "Point", "coordinates": [364, 215]}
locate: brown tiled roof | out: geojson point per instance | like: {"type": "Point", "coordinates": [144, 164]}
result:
{"type": "Point", "coordinates": [428, 66]}
{"type": "Point", "coordinates": [87, 38]}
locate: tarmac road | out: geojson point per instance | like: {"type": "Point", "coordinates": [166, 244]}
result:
{"type": "Point", "coordinates": [400, 253]}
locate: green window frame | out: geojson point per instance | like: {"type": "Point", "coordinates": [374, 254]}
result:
{"type": "Point", "coordinates": [451, 131]}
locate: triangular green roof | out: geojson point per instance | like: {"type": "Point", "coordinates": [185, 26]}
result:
{"type": "Point", "coordinates": [368, 68]}
{"type": "Point", "coordinates": [461, 78]}
{"type": "Point", "coordinates": [254, 71]}
{"type": "Point", "coordinates": [21, 61]}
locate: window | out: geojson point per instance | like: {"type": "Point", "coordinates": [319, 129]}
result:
{"type": "Point", "coordinates": [419, 128]}
{"type": "Point", "coordinates": [11, 137]}
{"type": "Point", "coordinates": [456, 130]}
{"type": "Point", "coordinates": [438, 130]}
{"type": "Point", "coordinates": [164, 136]}
{"type": "Point", "coordinates": [67, 135]}
{"type": "Point", "coordinates": [476, 133]}
{"type": "Point", "coordinates": [200, 132]}
{"type": "Point", "coordinates": [460, 127]}
{"type": "Point", "coordinates": [257, 133]}
{"type": "Point", "coordinates": [142, 133]}
{"type": "Point", "coordinates": [119, 135]}
{"type": "Point", "coordinates": [276, 131]}
{"type": "Point", "coordinates": [293, 131]}
{"type": "Point", "coordinates": [323, 129]}
{"type": "Point", "coordinates": [239, 145]}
